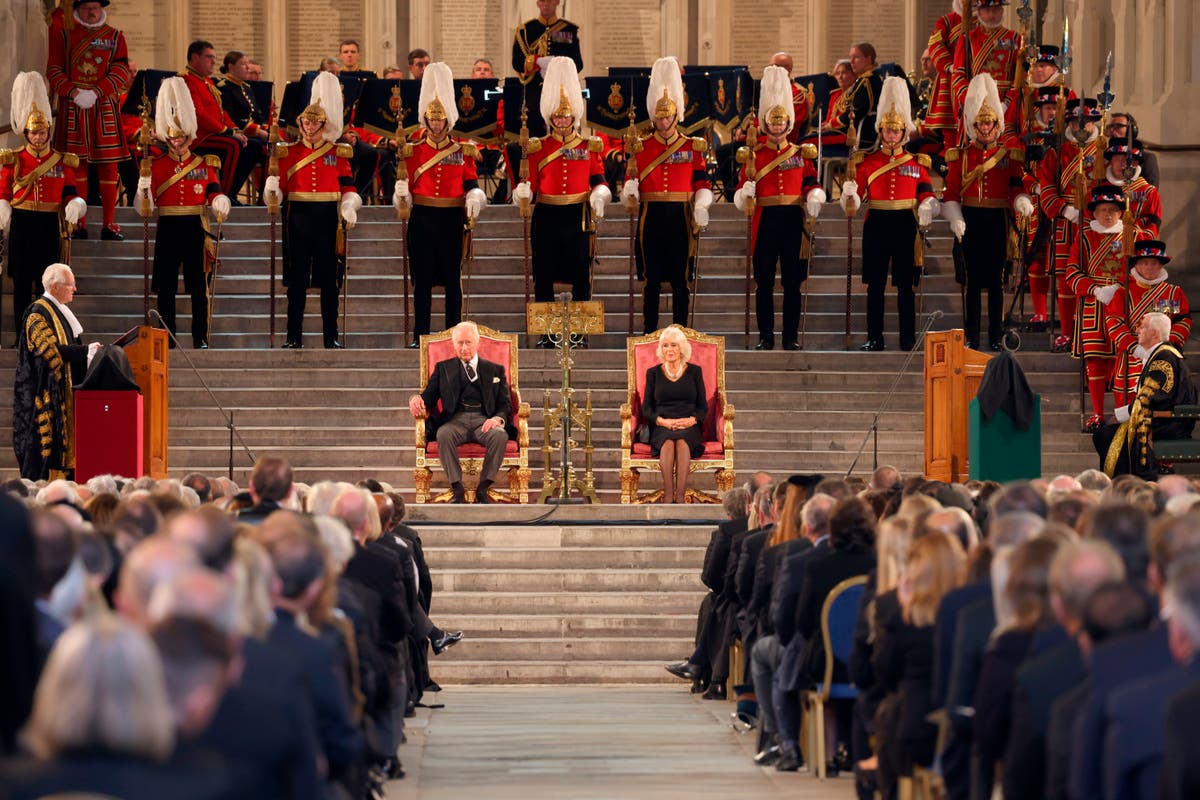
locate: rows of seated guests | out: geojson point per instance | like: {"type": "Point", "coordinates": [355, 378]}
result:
{"type": "Point", "coordinates": [1038, 639]}
{"type": "Point", "coordinates": [184, 639]}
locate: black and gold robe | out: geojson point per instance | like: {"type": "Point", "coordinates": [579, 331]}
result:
{"type": "Point", "coordinates": [50, 360]}
{"type": "Point", "coordinates": [1128, 447]}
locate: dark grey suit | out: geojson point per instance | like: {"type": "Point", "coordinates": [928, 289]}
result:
{"type": "Point", "coordinates": [456, 424]}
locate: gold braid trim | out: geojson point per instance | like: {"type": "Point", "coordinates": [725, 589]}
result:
{"type": "Point", "coordinates": [1166, 369]}
{"type": "Point", "coordinates": [1114, 449]}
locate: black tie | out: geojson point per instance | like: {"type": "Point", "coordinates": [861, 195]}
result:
{"type": "Point", "coordinates": [470, 371]}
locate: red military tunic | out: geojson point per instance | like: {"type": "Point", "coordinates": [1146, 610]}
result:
{"type": "Point", "coordinates": [314, 174]}
{"type": "Point", "coordinates": [669, 170]}
{"type": "Point", "coordinates": [985, 178]}
{"type": "Point", "coordinates": [783, 176]}
{"type": "Point", "coordinates": [1122, 317]}
{"type": "Point", "coordinates": [892, 181]}
{"type": "Point", "coordinates": [563, 171]}
{"type": "Point", "coordinates": [88, 58]}
{"type": "Point", "coordinates": [942, 41]}
{"type": "Point", "coordinates": [440, 173]}
{"type": "Point", "coordinates": [1096, 260]}
{"type": "Point", "coordinates": [995, 52]}
{"type": "Point", "coordinates": [184, 186]}
{"type": "Point", "coordinates": [211, 116]}
{"type": "Point", "coordinates": [52, 183]}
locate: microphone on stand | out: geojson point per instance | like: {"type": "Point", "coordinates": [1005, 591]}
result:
{"type": "Point", "coordinates": [936, 315]}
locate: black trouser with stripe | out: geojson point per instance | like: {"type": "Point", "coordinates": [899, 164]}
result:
{"type": "Point", "coordinates": [780, 234]}
{"type": "Point", "coordinates": [985, 245]}
{"type": "Point", "coordinates": [179, 241]}
{"type": "Point", "coordinates": [663, 248]}
{"type": "Point", "coordinates": [435, 253]}
{"type": "Point", "coordinates": [310, 259]}
{"type": "Point", "coordinates": [561, 247]}
{"type": "Point", "coordinates": [887, 242]}
{"type": "Point", "coordinates": [34, 243]}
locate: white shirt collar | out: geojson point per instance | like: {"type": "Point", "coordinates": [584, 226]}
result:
{"type": "Point", "coordinates": [474, 362]}
{"type": "Point", "coordinates": [76, 328]}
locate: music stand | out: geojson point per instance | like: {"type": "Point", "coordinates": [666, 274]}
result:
{"type": "Point", "coordinates": [566, 323]}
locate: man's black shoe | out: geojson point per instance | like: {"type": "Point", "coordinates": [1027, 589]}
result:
{"type": "Point", "coordinates": [544, 343]}
{"type": "Point", "coordinates": [334, 344]}
{"type": "Point", "coordinates": [684, 669]}
{"type": "Point", "coordinates": [290, 345]}
{"type": "Point", "coordinates": [699, 686]}
{"type": "Point", "coordinates": [440, 644]}
{"type": "Point", "coordinates": [765, 343]}
{"type": "Point", "coordinates": [414, 344]}
{"type": "Point", "coordinates": [996, 345]}
{"type": "Point", "coordinates": [768, 755]}
{"type": "Point", "coordinates": [715, 692]}
{"type": "Point", "coordinates": [972, 345]}
{"type": "Point", "coordinates": [789, 761]}
{"type": "Point", "coordinates": [200, 345]}
{"type": "Point", "coordinates": [791, 344]}
{"type": "Point", "coordinates": [393, 770]}
{"type": "Point", "coordinates": [871, 346]}
{"type": "Point", "coordinates": [108, 234]}
{"type": "Point", "coordinates": [79, 233]}
{"type": "Point", "coordinates": [907, 346]}
{"type": "Point", "coordinates": [460, 494]}
{"type": "Point", "coordinates": [481, 492]}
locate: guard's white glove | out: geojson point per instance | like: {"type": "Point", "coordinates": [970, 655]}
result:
{"type": "Point", "coordinates": [86, 98]}
{"type": "Point", "coordinates": [271, 191]}
{"type": "Point", "coordinates": [1023, 206]}
{"type": "Point", "coordinates": [746, 192]}
{"type": "Point", "coordinates": [1139, 352]}
{"type": "Point", "coordinates": [476, 200]}
{"type": "Point", "coordinates": [702, 201]}
{"type": "Point", "coordinates": [1105, 294]}
{"type": "Point", "coordinates": [815, 202]}
{"type": "Point", "coordinates": [220, 206]}
{"type": "Point", "coordinates": [401, 195]}
{"type": "Point", "coordinates": [629, 191]}
{"type": "Point", "coordinates": [850, 201]}
{"type": "Point", "coordinates": [952, 211]}
{"type": "Point", "coordinates": [543, 62]}
{"type": "Point", "coordinates": [1071, 214]}
{"type": "Point", "coordinates": [600, 197]}
{"type": "Point", "coordinates": [351, 203]}
{"type": "Point", "coordinates": [523, 193]}
{"type": "Point", "coordinates": [5, 214]}
{"type": "Point", "coordinates": [929, 208]}
{"type": "Point", "coordinates": [959, 228]}
{"type": "Point", "coordinates": [75, 210]}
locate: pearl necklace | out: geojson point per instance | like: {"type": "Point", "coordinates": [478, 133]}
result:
{"type": "Point", "coordinates": [674, 374]}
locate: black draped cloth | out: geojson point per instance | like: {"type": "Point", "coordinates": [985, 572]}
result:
{"type": "Point", "coordinates": [50, 360]}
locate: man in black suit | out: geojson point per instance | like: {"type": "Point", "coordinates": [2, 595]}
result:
{"type": "Point", "coordinates": [270, 486]}
{"type": "Point", "coordinates": [475, 407]}
{"type": "Point", "coordinates": [1181, 758]}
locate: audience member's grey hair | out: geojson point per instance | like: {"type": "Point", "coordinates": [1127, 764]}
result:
{"type": "Point", "coordinates": [1181, 504]}
{"type": "Point", "coordinates": [1019, 496]}
{"type": "Point", "coordinates": [1013, 528]}
{"type": "Point", "coordinates": [103, 484]}
{"type": "Point", "coordinates": [816, 514]}
{"type": "Point", "coordinates": [190, 497]}
{"type": "Point", "coordinates": [319, 501]}
{"type": "Point", "coordinates": [763, 499]}
{"type": "Point", "coordinates": [58, 490]}
{"type": "Point", "coordinates": [337, 540]}
{"type": "Point", "coordinates": [223, 487]}
{"type": "Point", "coordinates": [198, 593]}
{"type": "Point", "coordinates": [1093, 480]}
{"type": "Point", "coordinates": [735, 501]}
{"type": "Point", "coordinates": [1078, 569]}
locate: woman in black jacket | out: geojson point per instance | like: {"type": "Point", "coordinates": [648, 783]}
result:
{"type": "Point", "coordinates": [674, 405]}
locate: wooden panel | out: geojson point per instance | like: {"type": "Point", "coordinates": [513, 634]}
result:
{"type": "Point", "coordinates": [148, 357]}
{"type": "Point", "coordinates": [952, 375]}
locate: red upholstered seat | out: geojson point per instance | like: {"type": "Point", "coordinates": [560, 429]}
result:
{"type": "Point", "coordinates": [709, 353]}
{"type": "Point", "coordinates": [500, 348]}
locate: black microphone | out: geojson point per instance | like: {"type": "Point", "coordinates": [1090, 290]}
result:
{"type": "Point", "coordinates": [936, 315]}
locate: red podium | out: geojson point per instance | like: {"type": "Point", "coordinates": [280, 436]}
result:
{"type": "Point", "coordinates": [108, 434]}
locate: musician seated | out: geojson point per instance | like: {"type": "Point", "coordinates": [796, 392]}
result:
{"type": "Point", "coordinates": [674, 406]}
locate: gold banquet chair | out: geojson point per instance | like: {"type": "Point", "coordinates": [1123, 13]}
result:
{"type": "Point", "coordinates": [500, 348]}
{"type": "Point", "coordinates": [708, 352]}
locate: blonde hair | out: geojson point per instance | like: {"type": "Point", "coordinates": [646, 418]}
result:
{"type": "Point", "coordinates": [252, 576]}
{"type": "Point", "coordinates": [674, 333]}
{"type": "Point", "coordinates": [936, 564]}
{"type": "Point", "coordinates": [103, 688]}
{"type": "Point", "coordinates": [791, 524]}
{"type": "Point", "coordinates": [893, 537]}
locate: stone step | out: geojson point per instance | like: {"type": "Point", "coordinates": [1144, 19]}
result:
{"type": "Point", "coordinates": [554, 672]}
{"type": "Point", "coordinates": [504, 649]}
{"type": "Point", "coordinates": [570, 558]}
{"type": "Point", "coordinates": [600, 626]}
{"type": "Point", "coordinates": [437, 539]}
{"type": "Point", "coordinates": [576, 602]}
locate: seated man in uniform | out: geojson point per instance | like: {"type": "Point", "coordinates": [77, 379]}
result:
{"type": "Point", "coordinates": [1128, 446]}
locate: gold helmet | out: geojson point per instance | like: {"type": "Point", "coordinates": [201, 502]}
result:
{"type": "Point", "coordinates": [775, 95]}
{"type": "Point", "coordinates": [982, 104]}
{"type": "Point", "coordinates": [665, 95]}
{"type": "Point", "coordinates": [437, 95]}
{"type": "Point", "coordinates": [895, 107]}
{"type": "Point", "coordinates": [435, 109]}
{"type": "Point", "coordinates": [30, 103]}
{"type": "Point", "coordinates": [315, 112]}
{"type": "Point", "coordinates": [561, 92]}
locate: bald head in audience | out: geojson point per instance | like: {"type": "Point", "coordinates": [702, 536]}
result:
{"type": "Point", "coordinates": [155, 561]}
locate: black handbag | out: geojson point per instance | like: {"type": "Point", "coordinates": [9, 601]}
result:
{"type": "Point", "coordinates": [642, 434]}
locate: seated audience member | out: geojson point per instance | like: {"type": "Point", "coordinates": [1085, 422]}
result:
{"type": "Point", "coordinates": [903, 658]}
{"type": "Point", "coordinates": [1124, 527]}
{"type": "Point", "coordinates": [55, 546]}
{"type": "Point", "coordinates": [270, 488]}
{"type": "Point", "coordinates": [102, 723]}
{"type": "Point", "coordinates": [18, 635]}
{"type": "Point", "coordinates": [885, 478]}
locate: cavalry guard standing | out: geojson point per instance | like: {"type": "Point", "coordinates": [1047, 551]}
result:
{"type": "Point", "coordinates": [1063, 178]}
{"type": "Point", "coordinates": [180, 184]}
{"type": "Point", "coordinates": [673, 188]}
{"type": "Point", "coordinates": [983, 180]}
{"type": "Point", "coordinates": [443, 190]}
{"type": "Point", "coordinates": [36, 185]}
{"type": "Point", "coordinates": [899, 197]}
{"type": "Point", "coordinates": [318, 194]}
{"type": "Point", "coordinates": [784, 182]}
{"type": "Point", "coordinates": [566, 181]}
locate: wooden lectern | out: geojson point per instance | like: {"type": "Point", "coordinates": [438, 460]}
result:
{"type": "Point", "coordinates": [147, 351]}
{"type": "Point", "coordinates": [952, 375]}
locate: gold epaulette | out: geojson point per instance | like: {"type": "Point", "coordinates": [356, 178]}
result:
{"type": "Point", "coordinates": [406, 150]}
{"type": "Point", "coordinates": [743, 155]}
{"type": "Point", "coordinates": [1017, 154]}
{"type": "Point", "coordinates": [534, 146]}
{"type": "Point", "coordinates": [470, 149]}
{"type": "Point", "coordinates": [70, 160]}
{"type": "Point", "coordinates": [856, 157]}
{"type": "Point", "coordinates": [595, 145]}
{"type": "Point", "coordinates": [213, 161]}
{"type": "Point", "coordinates": [699, 144]}
{"type": "Point", "coordinates": [953, 154]}
{"type": "Point", "coordinates": [7, 157]}
{"type": "Point", "coordinates": [281, 150]}
{"type": "Point", "coordinates": [808, 150]}
{"type": "Point", "coordinates": [345, 151]}
{"type": "Point", "coordinates": [924, 161]}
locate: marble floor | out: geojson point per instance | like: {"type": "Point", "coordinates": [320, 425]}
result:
{"type": "Point", "coordinates": [588, 743]}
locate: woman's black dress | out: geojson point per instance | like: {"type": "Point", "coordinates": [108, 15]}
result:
{"type": "Point", "coordinates": [685, 397]}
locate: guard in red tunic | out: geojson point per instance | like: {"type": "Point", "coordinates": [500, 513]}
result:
{"type": "Point", "coordinates": [984, 181]}
{"type": "Point", "coordinates": [1039, 138]}
{"type": "Point", "coordinates": [182, 185]}
{"type": "Point", "coordinates": [1147, 290]}
{"type": "Point", "coordinates": [88, 68]}
{"type": "Point", "coordinates": [896, 187]}
{"type": "Point", "coordinates": [673, 188]}
{"type": "Point", "coordinates": [1096, 271]}
{"type": "Point", "coordinates": [36, 186]}
{"type": "Point", "coordinates": [1124, 169]}
{"type": "Point", "coordinates": [317, 191]}
{"type": "Point", "coordinates": [1063, 178]}
{"type": "Point", "coordinates": [443, 191]}
{"type": "Point", "coordinates": [784, 183]}
{"type": "Point", "coordinates": [993, 49]}
{"type": "Point", "coordinates": [566, 181]}
{"type": "Point", "coordinates": [941, 121]}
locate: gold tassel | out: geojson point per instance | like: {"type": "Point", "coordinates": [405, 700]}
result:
{"type": "Point", "coordinates": [918, 250]}
{"type": "Point", "coordinates": [339, 246]}
{"type": "Point", "coordinates": [1128, 234]}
